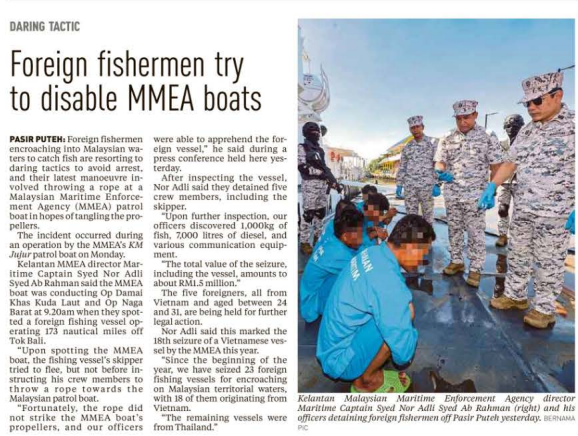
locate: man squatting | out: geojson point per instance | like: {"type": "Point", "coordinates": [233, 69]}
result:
{"type": "Point", "coordinates": [366, 307]}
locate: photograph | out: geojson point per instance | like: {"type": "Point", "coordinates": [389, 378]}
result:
{"type": "Point", "coordinates": [436, 191]}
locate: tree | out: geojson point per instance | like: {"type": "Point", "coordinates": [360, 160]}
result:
{"type": "Point", "coordinates": [373, 165]}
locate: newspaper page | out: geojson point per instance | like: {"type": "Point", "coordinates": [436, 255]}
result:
{"type": "Point", "coordinates": [289, 217]}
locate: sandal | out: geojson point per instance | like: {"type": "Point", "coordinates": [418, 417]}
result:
{"type": "Point", "coordinates": [391, 384]}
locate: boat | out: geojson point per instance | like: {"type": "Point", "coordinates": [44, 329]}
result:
{"type": "Point", "coordinates": [464, 345]}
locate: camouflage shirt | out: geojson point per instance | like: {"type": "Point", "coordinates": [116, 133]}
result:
{"type": "Point", "coordinates": [468, 158]}
{"type": "Point", "coordinates": [307, 171]}
{"type": "Point", "coordinates": [416, 168]}
{"type": "Point", "coordinates": [506, 147]}
{"type": "Point", "coordinates": [544, 155]}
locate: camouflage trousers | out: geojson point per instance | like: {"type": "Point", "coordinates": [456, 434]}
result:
{"type": "Point", "coordinates": [464, 216]}
{"type": "Point", "coordinates": [505, 195]}
{"type": "Point", "coordinates": [414, 197]}
{"type": "Point", "coordinates": [542, 240]}
{"type": "Point", "coordinates": [314, 195]}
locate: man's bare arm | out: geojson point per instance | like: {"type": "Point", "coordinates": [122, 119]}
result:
{"type": "Point", "coordinates": [494, 169]}
{"type": "Point", "coordinates": [503, 173]}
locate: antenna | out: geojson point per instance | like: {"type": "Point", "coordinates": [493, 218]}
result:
{"type": "Point", "coordinates": [566, 68]}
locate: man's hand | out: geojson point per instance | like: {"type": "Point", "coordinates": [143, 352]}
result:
{"type": "Point", "coordinates": [487, 199]}
{"type": "Point", "coordinates": [382, 233]}
{"type": "Point", "coordinates": [389, 215]}
{"type": "Point", "coordinates": [337, 186]}
{"type": "Point", "coordinates": [398, 191]}
{"type": "Point", "coordinates": [412, 311]}
{"type": "Point", "coordinates": [444, 176]}
{"type": "Point", "coordinates": [571, 223]}
{"type": "Point", "coordinates": [436, 191]}
{"type": "Point", "coordinates": [372, 232]}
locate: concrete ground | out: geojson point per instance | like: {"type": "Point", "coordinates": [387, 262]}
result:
{"type": "Point", "coordinates": [464, 345]}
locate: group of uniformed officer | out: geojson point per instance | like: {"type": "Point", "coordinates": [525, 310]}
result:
{"type": "Point", "coordinates": [535, 167]}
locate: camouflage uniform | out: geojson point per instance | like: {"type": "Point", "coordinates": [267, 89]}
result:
{"type": "Point", "coordinates": [544, 155]}
{"type": "Point", "coordinates": [314, 195]}
{"type": "Point", "coordinates": [467, 157]}
{"type": "Point", "coordinates": [505, 196]}
{"type": "Point", "coordinates": [416, 175]}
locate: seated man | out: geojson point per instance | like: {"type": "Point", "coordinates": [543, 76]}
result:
{"type": "Point", "coordinates": [377, 216]}
{"type": "Point", "coordinates": [329, 228]}
{"type": "Point", "coordinates": [327, 262]}
{"type": "Point", "coordinates": [365, 192]}
{"type": "Point", "coordinates": [368, 315]}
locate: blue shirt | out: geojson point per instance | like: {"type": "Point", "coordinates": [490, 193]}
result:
{"type": "Point", "coordinates": [370, 289]}
{"type": "Point", "coordinates": [328, 230]}
{"type": "Point", "coordinates": [320, 274]}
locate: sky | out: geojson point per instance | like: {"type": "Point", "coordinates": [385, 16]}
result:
{"type": "Point", "coordinates": [381, 72]}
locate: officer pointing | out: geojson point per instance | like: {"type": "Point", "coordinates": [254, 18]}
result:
{"type": "Point", "coordinates": [462, 161]}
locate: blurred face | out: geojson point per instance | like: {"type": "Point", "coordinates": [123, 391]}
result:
{"type": "Point", "coordinates": [353, 238]}
{"type": "Point", "coordinates": [373, 213]}
{"type": "Point", "coordinates": [411, 255]}
{"type": "Point", "coordinates": [417, 132]}
{"type": "Point", "coordinates": [550, 106]}
{"type": "Point", "coordinates": [465, 123]}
